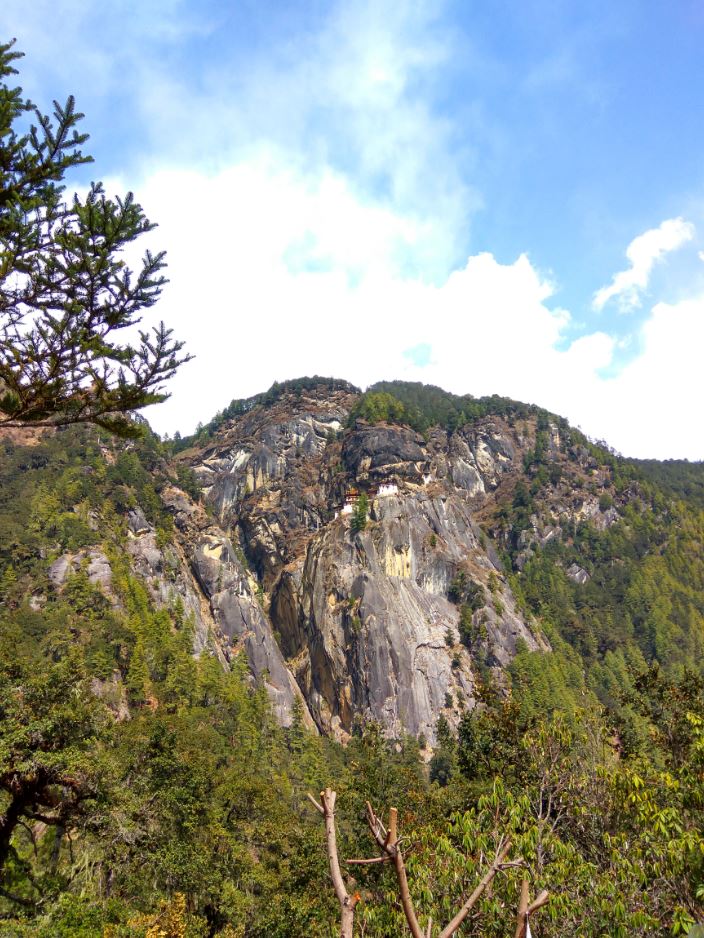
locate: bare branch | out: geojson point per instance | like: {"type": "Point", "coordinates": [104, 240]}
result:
{"type": "Point", "coordinates": [538, 903]}
{"type": "Point", "coordinates": [389, 844]}
{"type": "Point", "coordinates": [522, 916]}
{"type": "Point", "coordinates": [347, 902]}
{"type": "Point", "coordinates": [526, 908]}
{"type": "Point", "coordinates": [368, 862]}
{"type": "Point", "coordinates": [315, 804]}
{"type": "Point", "coordinates": [392, 835]}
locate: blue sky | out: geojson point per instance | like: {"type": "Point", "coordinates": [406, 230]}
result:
{"type": "Point", "coordinates": [493, 197]}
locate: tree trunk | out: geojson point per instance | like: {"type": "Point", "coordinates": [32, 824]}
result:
{"type": "Point", "coordinates": [522, 911]}
{"type": "Point", "coordinates": [8, 823]}
{"type": "Point", "coordinates": [347, 902]}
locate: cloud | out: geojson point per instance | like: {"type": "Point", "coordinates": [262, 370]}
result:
{"type": "Point", "coordinates": [651, 408]}
{"type": "Point", "coordinates": [317, 208]}
{"type": "Point", "coordinates": [643, 253]}
{"type": "Point", "coordinates": [275, 274]}
{"type": "Point", "coordinates": [353, 99]}
{"type": "Point", "coordinates": [350, 90]}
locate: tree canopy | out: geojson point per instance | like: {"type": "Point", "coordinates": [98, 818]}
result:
{"type": "Point", "coordinates": [66, 292]}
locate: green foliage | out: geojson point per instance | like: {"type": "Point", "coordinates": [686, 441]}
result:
{"type": "Point", "coordinates": [601, 831]}
{"type": "Point", "coordinates": [191, 814]}
{"type": "Point", "coordinates": [48, 734]}
{"type": "Point", "coordinates": [647, 603]}
{"type": "Point", "coordinates": [544, 684]}
{"type": "Point", "coordinates": [380, 407]}
{"type": "Point", "coordinates": [443, 764]}
{"type": "Point", "coordinates": [679, 478]}
{"type": "Point", "coordinates": [359, 514]}
{"type": "Point", "coordinates": [470, 597]}
{"type": "Point", "coordinates": [465, 591]}
{"type": "Point", "coordinates": [65, 291]}
{"type": "Point", "coordinates": [425, 406]}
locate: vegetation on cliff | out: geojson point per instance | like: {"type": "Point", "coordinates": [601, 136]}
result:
{"type": "Point", "coordinates": [422, 406]}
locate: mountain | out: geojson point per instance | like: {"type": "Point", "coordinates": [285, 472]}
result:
{"type": "Point", "coordinates": [395, 589]}
{"type": "Point", "coordinates": [364, 620]}
{"type": "Point", "coordinates": [467, 522]}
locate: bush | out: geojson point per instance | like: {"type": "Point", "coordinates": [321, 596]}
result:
{"type": "Point", "coordinates": [466, 592]}
{"type": "Point", "coordinates": [606, 501]}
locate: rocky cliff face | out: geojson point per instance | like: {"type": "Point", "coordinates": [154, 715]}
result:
{"type": "Point", "coordinates": [364, 624]}
{"type": "Point", "coordinates": [391, 614]}
{"type": "Point", "coordinates": [223, 598]}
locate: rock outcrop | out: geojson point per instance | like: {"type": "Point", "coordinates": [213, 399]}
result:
{"type": "Point", "coordinates": [362, 623]}
{"type": "Point", "coordinates": [378, 636]}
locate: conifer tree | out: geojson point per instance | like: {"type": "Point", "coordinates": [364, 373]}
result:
{"type": "Point", "coordinates": [359, 515]}
{"type": "Point", "coordinates": [66, 294]}
{"type": "Point", "coordinates": [137, 680]}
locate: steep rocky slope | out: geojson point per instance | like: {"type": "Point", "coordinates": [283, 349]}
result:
{"type": "Point", "coordinates": [391, 612]}
{"type": "Point", "coordinates": [371, 623]}
{"type": "Point", "coordinates": [501, 558]}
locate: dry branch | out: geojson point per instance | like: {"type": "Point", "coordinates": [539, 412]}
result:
{"type": "Point", "coordinates": [347, 902]}
{"type": "Point", "coordinates": [526, 908]}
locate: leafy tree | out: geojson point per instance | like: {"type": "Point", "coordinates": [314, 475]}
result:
{"type": "Point", "coordinates": [359, 515]}
{"type": "Point", "coordinates": [50, 722]}
{"type": "Point", "coordinates": [65, 291]}
{"type": "Point", "coordinates": [379, 407]}
{"type": "Point", "coordinates": [444, 761]}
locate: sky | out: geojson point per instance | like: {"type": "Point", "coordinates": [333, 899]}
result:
{"type": "Point", "coordinates": [488, 196]}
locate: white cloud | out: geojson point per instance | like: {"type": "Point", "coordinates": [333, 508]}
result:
{"type": "Point", "coordinates": [355, 99]}
{"type": "Point", "coordinates": [652, 407]}
{"type": "Point", "coordinates": [316, 212]}
{"type": "Point", "coordinates": [643, 253]}
{"type": "Point", "coordinates": [354, 95]}
{"type": "Point", "coordinates": [276, 274]}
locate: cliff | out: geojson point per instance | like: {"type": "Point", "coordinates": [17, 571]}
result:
{"type": "Point", "coordinates": [367, 622]}
{"type": "Point", "coordinates": [366, 570]}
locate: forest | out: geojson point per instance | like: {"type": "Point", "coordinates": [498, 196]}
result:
{"type": "Point", "coordinates": [192, 816]}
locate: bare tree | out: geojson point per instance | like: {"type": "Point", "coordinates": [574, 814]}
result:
{"type": "Point", "coordinates": [389, 843]}
{"type": "Point", "coordinates": [347, 901]}
{"type": "Point", "coordinates": [526, 909]}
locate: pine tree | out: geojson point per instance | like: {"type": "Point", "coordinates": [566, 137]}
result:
{"type": "Point", "coordinates": [65, 292]}
{"type": "Point", "coordinates": [137, 679]}
{"type": "Point", "coordinates": [359, 515]}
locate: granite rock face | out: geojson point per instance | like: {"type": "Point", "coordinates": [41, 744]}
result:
{"type": "Point", "coordinates": [577, 574]}
{"type": "Point", "coordinates": [95, 564]}
{"type": "Point", "coordinates": [361, 624]}
{"type": "Point", "coordinates": [375, 452]}
{"type": "Point", "coordinates": [392, 620]}
{"type": "Point", "coordinates": [241, 621]}
{"type": "Point", "coordinates": [201, 569]}
{"type": "Point", "coordinates": [377, 635]}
